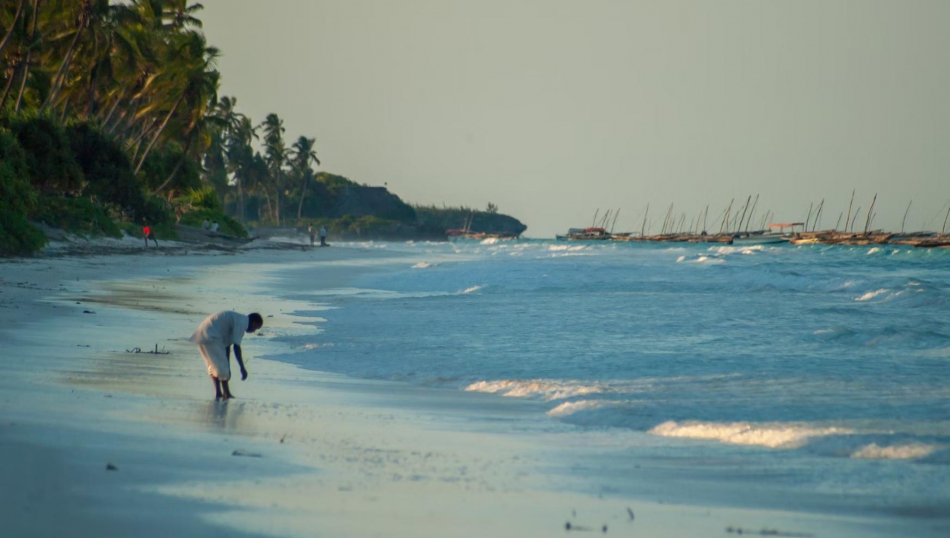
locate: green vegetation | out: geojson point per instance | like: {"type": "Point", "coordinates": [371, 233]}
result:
{"type": "Point", "coordinates": [110, 118]}
{"type": "Point", "coordinates": [457, 217]}
{"type": "Point", "coordinates": [111, 112]}
{"type": "Point", "coordinates": [17, 200]}
{"type": "Point", "coordinates": [78, 215]}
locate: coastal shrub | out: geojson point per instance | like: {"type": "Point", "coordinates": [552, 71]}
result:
{"type": "Point", "coordinates": [17, 200]}
{"type": "Point", "coordinates": [76, 215]}
{"type": "Point", "coordinates": [205, 198]}
{"type": "Point", "coordinates": [159, 166]}
{"type": "Point", "coordinates": [106, 168]}
{"type": "Point", "coordinates": [226, 224]}
{"type": "Point", "coordinates": [50, 163]}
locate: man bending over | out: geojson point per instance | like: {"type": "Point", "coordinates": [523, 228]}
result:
{"type": "Point", "coordinates": [215, 336]}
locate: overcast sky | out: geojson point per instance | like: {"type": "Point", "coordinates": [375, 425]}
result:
{"type": "Point", "coordinates": [552, 109]}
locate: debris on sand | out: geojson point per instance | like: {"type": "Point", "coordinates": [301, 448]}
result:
{"type": "Point", "coordinates": [246, 454]}
{"type": "Point", "coordinates": [110, 467]}
{"type": "Point", "coordinates": [768, 532]}
{"type": "Point", "coordinates": [150, 352]}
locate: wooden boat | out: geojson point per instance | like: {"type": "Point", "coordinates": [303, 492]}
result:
{"type": "Point", "coordinates": [586, 234]}
{"type": "Point", "coordinates": [760, 238]}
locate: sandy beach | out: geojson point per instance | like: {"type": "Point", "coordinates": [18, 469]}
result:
{"type": "Point", "coordinates": [99, 437]}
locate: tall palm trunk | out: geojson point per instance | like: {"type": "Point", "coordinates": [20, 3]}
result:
{"type": "Point", "coordinates": [26, 64]}
{"type": "Point", "coordinates": [161, 128]}
{"type": "Point", "coordinates": [112, 109]}
{"type": "Point", "coordinates": [240, 188]}
{"type": "Point", "coordinates": [181, 161]}
{"type": "Point", "coordinates": [270, 209]}
{"type": "Point", "coordinates": [303, 194]}
{"type": "Point", "coordinates": [63, 69]}
{"type": "Point", "coordinates": [278, 198]}
{"type": "Point", "coordinates": [6, 88]}
{"type": "Point", "coordinates": [136, 143]}
{"type": "Point", "coordinates": [16, 17]}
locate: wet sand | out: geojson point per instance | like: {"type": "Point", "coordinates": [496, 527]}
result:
{"type": "Point", "coordinates": [298, 453]}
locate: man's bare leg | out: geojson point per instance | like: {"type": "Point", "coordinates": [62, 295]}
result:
{"type": "Point", "coordinates": [217, 388]}
{"type": "Point", "coordinates": [227, 390]}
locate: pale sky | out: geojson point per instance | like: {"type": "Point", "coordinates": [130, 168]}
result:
{"type": "Point", "coordinates": [552, 109]}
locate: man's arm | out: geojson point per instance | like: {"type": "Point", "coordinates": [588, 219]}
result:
{"type": "Point", "coordinates": [240, 360]}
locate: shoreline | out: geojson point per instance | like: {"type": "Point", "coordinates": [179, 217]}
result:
{"type": "Point", "coordinates": [335, 472]}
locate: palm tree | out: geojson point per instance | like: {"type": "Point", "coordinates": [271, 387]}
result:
{"type": "Point", "coordinates": [82, 17]}
{"type": "Point", "coordinates": [304, 154]}
{"type": "Point", "coordinates": [31, 43]}
{"type": "Point", "coordinates": [240, 157]}
{"type": "Point", "coordinates": [6, 37]}
{"type": "Point", "coordinates": [199, 86]}
{"type": "Point", "coordinates": [275, 154]}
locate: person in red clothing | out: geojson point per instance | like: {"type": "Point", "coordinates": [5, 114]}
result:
{"type": "Point", "coordinates": [148, 234]}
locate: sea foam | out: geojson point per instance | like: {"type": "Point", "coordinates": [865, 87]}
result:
{"type": "Point", "coordinates": [895, 452]}
{"type": "Point", "coordinates": [769, 435]}
{"type": "Point", "coordinates": [569, 408]}
{"type": "Point", "coordinates": [535, 388]}
{"type": "Point", "coordinates": [871, 294]}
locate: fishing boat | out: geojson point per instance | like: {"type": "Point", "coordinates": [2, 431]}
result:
{"type": "Point", "coordinates": [585, 234]}
{"type": "Point", "coordinates": [759, 238]}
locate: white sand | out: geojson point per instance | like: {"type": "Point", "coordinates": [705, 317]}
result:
{"type": "Point", "coordinates": [322, 455]}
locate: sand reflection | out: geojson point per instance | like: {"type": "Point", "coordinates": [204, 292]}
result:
{"type": "Point", "coordinates": [225, 415]}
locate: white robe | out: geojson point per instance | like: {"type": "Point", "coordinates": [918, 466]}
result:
{"type": "Point", "coordinates": [213, 337]}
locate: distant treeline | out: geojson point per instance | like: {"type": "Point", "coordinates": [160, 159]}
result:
{"type": "Point", "coordinates": [110, 118]}
{"type": "Point", "coordinates": [489, 220]}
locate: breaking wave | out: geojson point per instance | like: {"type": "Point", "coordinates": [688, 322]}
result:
{"type": "Point", "coordinates": [537, 388]}
{"type": "Point", "coordinates": [896, 452]}
{"type": "Point", "coordinates": [872, 294]}
{"type": "Point", "coordinates": [726, 250]}
{"type": "Point", "coordinates": [569, 408]}
{"type": "Point", "coordinates": [769, 435]}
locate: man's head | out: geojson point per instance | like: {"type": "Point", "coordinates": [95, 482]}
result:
{"type": "Point", "coordinates": [254, 322]}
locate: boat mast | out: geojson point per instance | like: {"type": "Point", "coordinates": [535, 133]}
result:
{"type": "Point", "coordinates": [818, 215]}
{"type": "Point", "coordinates": [644, 227]}
{"type": "Point", "coordinates": [752, 212]}
{"type": "Point", "coordinates": [867, 223]}
{"type": "Point", "coordinates": [905, 215]}
{"type": "Point", "coordinates": [744, 209]}
{"type": "Point", "coordinates": [849, 211]}
{"type": "Point", "coordinates": [725, 216]}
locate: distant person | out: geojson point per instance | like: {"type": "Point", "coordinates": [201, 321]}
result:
{"type": "Point", "coordinates": [205, 225]}
{"type": "Point", "coordinates": [214, 227]}
{"type": "Point", "coordinates": [323, 236]}
{"type": "Point", "coordinates": [311, 232]}
{"type": "Point", "coordinates": [149, 234]}
{"type": "Point", "coordinates": [215, 336]}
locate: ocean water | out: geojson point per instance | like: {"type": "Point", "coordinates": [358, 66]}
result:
{"type": "Point", "coordinates": [815, 377]}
